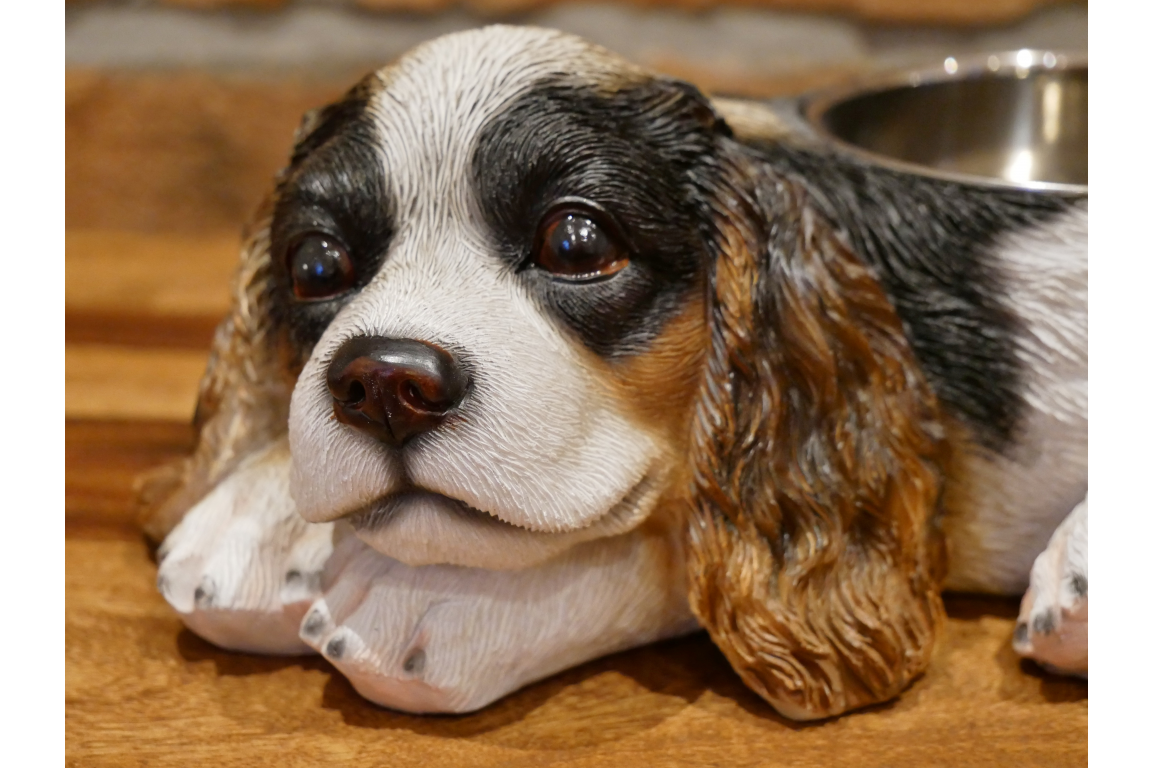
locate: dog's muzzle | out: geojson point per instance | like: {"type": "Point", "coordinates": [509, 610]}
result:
{"type": "Point", "coordinates": [394, 389]}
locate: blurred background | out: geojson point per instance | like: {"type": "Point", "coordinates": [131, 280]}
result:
{"type": "Point", "coordinates": [179, 112]}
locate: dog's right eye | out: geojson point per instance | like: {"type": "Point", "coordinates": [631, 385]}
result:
{"type": "Point", "coordinates": [320, 267]}
{"type": "Point", "coordinates": [574, 244]}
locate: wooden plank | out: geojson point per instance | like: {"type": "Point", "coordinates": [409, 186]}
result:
{"type": "Point", "coordinates": [106, 382]}
{"type": "Point", "coordinates": [184, 152]}
{"type": "Point", "coordinates": [140, 273]}
{"type": "Point", "coordinates": [102, 460]}
{"type": "Point", "coordinates": [146, 289]}
{"type": "Point", "coordinates": [138, 329]}
{"type": "Point", "coordinates": [142, 690]}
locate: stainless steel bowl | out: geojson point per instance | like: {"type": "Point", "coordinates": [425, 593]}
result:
{"type": "Point", "coordinates": [1017, 119]}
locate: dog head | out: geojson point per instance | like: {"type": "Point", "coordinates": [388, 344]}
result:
{"type": "Point", "coordinates": [526, 295]}
{"type": "Point", "coordinates": [489, 260]}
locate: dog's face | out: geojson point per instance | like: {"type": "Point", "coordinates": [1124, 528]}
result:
{"type": "Point", "coordinates": [491, 255]}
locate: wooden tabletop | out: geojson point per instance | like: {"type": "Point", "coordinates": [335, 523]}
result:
{"type": "Point", "coordinates": [161, 170]}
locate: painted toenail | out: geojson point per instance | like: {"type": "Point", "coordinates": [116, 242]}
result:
{"type": "Point", "coordinates": [1079, 584]}
{"type": "Point", "coordinates": [204, 593]}
{"type": "Point", "coordinates": [314, 623]}
{"type": "Point", "coordinates": [335, 648]}
{"type": "Point", "coordinates": [414, 664]}
{"type": "Point", "coordinates": [1044, 624]}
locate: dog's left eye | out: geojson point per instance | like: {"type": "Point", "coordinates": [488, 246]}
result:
{"type": "Point", "coordinates": [572, 244]}
{"type": "Point", "coordinates": [320, 267]}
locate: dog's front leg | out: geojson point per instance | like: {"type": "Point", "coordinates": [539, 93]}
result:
{"type": "Point", "coordinates": [1053, 623]}
{"type": "Point", "coordinates": [242, 567]}
{"type": "Point", "coordinates": [446, 638]}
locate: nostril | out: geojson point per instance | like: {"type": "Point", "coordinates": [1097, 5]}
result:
{"type": "Point", "coordinates": [415, 398]}
{"type": "Point", "coordinates": [356, 393]}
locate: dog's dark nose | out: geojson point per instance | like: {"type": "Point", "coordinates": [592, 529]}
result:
{"type": "Point", "coordinates": [394, 389]}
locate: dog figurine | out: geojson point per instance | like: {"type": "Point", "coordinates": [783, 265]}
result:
{"type": "Point", "coordinates": [535, 356]}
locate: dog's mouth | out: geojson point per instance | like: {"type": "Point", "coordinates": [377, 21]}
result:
{"type": "Point", "coordinates": [379, 514]}
{"type": "Point", "coordinates": [423, 527]}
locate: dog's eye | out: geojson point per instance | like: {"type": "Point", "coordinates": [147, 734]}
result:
{"type": "Point", "coordinates": [573, 245]}
{"type": "Point", "coordinates": [320, 267]}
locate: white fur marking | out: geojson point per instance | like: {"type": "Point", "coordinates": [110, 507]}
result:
{"type": "Point", "coordinates": [1001, 511]}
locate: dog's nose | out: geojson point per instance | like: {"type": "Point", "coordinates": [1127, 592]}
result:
{"type": "Point", "coordinates": [394, 389]}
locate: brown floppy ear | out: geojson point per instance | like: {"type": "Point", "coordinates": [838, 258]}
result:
{"type": "Point", "coordinates": [243, 398]}
{"type": "Point", "coordinates": [815, 558]}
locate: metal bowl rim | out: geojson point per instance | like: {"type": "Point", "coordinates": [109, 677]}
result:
{"type": "Point", "coordinates": [814, 106]}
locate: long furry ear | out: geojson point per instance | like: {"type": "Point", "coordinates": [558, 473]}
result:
{"type": "Point", "coordinates": [815, 557]}
{"type": "Point", "coordinates": [243, 397]}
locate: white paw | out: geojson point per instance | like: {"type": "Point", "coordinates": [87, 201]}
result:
{"type": "Point", "coordinates": [1053, 623]}
{"type": "Point", "coordinates": [446, 638]}
{"type": "Point", "coordinates": [242, 567]}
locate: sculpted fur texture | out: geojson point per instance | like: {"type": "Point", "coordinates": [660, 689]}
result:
{"type": "Point", "coordinates": [535, 356]}
{"type": "Point", "coordinates": [816, 553]}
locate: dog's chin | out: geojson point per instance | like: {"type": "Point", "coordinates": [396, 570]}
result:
{"type": "Point", "coordinates": [426, 528]}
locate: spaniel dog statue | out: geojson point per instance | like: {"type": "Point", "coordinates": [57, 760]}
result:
{"type": "Point", "coordinates": [535, 356]}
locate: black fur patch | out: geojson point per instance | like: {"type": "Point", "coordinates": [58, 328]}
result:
{"type": "Point", "coordinates": [634, 153]}
{"type": "Point", "coordinates": [930, 243]}
{"type": "Point", "coordinates": [333, 185]}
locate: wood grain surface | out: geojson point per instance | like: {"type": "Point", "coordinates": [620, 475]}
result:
{"type": "Point", "coordinates": [145, 286]}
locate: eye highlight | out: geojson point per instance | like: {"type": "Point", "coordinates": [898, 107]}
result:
{"type": "Point", "coordinates": [572, 243]}
{"type": "Point", "coordinates": [320, 267]}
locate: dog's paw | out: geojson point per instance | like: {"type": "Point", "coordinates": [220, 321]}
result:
{"type": "Point", "coordinates": [1053, 623]}
{"type": "Point", "coordinates": [446, 638]}
{"type": "Point", "coordinates": [242, 567]}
